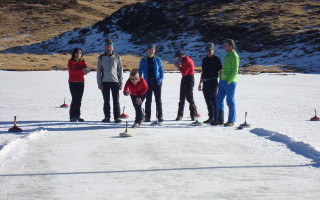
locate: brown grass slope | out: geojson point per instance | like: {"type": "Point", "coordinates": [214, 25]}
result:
{"type": "Point", "coordinates": [256, 25]}
{"type": "Point", "coordinates": [25, 22]}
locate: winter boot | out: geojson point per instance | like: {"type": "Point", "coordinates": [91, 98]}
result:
{"type": "Point", "coordinates": [74, 119]}
{"type": "Point", "coordinates": [106, 119]}
{"type": "Point", "coordinates": [208, 121]}
{"type": "Point", "coordinates": [147, 119]}
{"type": "Point", "coordinates": [215, 123]}
{"type": "Point", "coordinates": [179, 118]}
{"type": "Point", "coordinates": [80, 119]}
{"type": "Point", "coordinates": [219, 120]}
{"type": "Point", "coordinates": [228, 124]}
{"type": "Point", "coordinates": [136, 125]}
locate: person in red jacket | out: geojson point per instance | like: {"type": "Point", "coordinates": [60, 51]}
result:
{"type": "Point", "coordinates": [186, 66]}
{"type": "Point", "coordinates": [137, 88]}
{"type": "Point", "coordinates": [77, 68]}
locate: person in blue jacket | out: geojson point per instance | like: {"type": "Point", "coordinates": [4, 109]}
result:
{"type": "Point", "coordinates": [151, 69]}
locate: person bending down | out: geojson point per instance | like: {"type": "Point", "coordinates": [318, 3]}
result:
{"type": "Point", "coordinates": [137, 88]}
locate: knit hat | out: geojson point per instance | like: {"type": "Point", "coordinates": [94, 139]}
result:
{"type": "Point", "coordinates": [109, 42]}
{"type": "Point", "coordinates": [209, 47]}
{"type": "Point", "coordinates": [178, 53]}
{"type": "Point", "coordinates": [151, 46]}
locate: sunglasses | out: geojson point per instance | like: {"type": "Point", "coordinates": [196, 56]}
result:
{"type": "Point", "coordinates": [134, 78]}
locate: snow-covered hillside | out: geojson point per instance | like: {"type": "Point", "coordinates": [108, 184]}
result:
{"type": "Point", "coordinates": [172, 26]}
{"type": "Point", "coordinates": [277, 158]}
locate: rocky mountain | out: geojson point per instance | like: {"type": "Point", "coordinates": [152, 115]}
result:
{"type": "Point", "coordinates": [277, 32]}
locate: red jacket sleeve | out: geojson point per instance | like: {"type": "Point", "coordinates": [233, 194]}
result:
{"type": "Point", "coordinates": [126, 87]}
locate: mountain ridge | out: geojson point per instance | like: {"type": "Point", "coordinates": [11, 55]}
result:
{"type": "Point", "coordinates": [279, 32]}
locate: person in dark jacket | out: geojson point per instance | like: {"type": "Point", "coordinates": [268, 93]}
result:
{"type": "Point", "coordinates": [152, 70]}
{"type": "Point", "coordinates": [211, 65]}
{"type": "Point", "coordinates": [77, 68]}
{"type": "Point", "coordinates": [137, 88]}
{"type": "Point", "coordinates": [186, 66]}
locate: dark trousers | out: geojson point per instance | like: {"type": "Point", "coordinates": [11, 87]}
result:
{"type": "Point", "coordinates": [153, 87]}
{"type": "Point", "coordinates": [210, 92]}
{"type": "Point", "coordinates": [186, 92]}
{"type": "Point", "coordinates": [138, 108]}
{"type": "Point", "coordinates": [76, 89]}
{"type": "Point", "coordinates": [114, 87]}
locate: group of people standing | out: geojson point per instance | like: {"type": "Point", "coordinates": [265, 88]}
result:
{"type": "Point", "coordinates": [212, 70]}
{"type": "Point", "coordinates": [147, 80]}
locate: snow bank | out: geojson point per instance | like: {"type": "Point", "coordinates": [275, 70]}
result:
{"type": "Point", "coordinates": [17, 145]}
{"type": "Point", "coordinates": [298, 147]}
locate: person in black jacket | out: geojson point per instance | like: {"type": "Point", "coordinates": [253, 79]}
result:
{"type": "Point", "coordinates": [211, 66]}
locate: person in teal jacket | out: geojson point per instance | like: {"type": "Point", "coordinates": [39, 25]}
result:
{"type": "Point", "coordinates": [151, 69]}
{"type": "Point", "coordinates": [227, 85]}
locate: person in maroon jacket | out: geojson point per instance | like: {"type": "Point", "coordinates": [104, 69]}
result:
{"type": "Point", "coordinates": [186, 66]}
{"type": "Point", "coordinates": [137, 88]}
{"type": "Point", "coordinates": [77, 68]}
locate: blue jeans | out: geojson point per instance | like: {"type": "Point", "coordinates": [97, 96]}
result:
{"type": "Point", "coordinates": [229, 91]}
